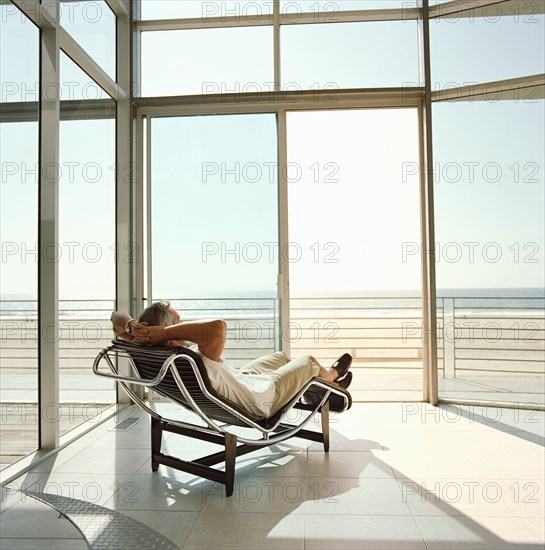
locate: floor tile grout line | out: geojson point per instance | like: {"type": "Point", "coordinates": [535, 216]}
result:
{"type": "Point", "coordinates": [191, 529]}
{"type": "Point", "coordinates": [420, 532]}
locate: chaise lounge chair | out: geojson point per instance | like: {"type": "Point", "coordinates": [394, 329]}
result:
{"type": "Point", "coordinates": [179, 375]}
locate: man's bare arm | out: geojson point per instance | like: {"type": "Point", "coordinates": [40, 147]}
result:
{"type": "Point", "coordinates": [208, 335]}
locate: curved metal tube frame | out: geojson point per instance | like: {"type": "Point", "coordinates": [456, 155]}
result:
{"type": "Point", "coordinates": [213, 426]}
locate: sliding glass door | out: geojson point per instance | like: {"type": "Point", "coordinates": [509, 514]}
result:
{"type": "Point", "coordinates": [350, 221]}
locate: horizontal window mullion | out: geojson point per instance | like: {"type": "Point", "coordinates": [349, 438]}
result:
{"type": "Point", "coordinates": [355, 16]}
{"type": "Point", "coordinates": [476, 9]}
{"type": "Point", "coordinates": [343, 99]}
{"type": "Point", "coordinates": [203, 23]}
{"type": "Point", "coordinates": [489, 91]}
{"type": "Point", "coordinates": [401, 14]}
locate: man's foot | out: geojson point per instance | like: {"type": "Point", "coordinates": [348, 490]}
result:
{"type": "Point", "coordinates": [337, 370]}
{"type": "Point", "coordinates": [342, 365]}
{"type": "Point", "coordinates": [345, 381]}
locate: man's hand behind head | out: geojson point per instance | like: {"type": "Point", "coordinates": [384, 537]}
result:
{"type": "Point", "coordinates": [152, 336]}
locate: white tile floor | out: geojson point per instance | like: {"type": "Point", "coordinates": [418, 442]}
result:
{"type": "Point", "coordinates": [398, 476]}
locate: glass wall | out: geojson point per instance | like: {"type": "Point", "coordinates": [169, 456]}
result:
{"type": "Point", "coordinates": [489, 195]}
{"type": "Point", "coordinates": [19, 138]}
{"type": "Point", "coordinates": [490, 242]}
{"type": "Point", "coordinates": [234, 53]}
{"type": "Point", "coordinates": [84, 253]}
{"type": "Point", "coordinates": [86, 236]}
{"type": "Point", "coordinates": [488, 181]}
{"type": "Point", "coordinates": [488, 162]}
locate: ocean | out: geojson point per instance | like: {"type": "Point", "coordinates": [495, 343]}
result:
{"type": "Point", "coordinates": [391, 303]}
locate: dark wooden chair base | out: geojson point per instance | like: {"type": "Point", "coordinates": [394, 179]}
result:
{"type": "Point", "coordinates": [202, 467]}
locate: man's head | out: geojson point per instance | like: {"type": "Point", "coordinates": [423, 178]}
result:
{"type": "Point", "coordinates": [159, 314]}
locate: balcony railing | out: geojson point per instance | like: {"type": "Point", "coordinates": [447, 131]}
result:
{"type": "Point", "coordinates": [379, 332]}
{"type": "Point", "coordinates": [493, 335]}
{"type": "Point", "coordinates": [502, 335]}
{"type": "Point", "coordinates": [83, 328]}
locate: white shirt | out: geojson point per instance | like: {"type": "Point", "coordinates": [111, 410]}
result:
{"type": "Point", "coordinates": [253, 392]}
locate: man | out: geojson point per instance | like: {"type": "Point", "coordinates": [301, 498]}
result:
{"type": "Point", "coordinates": [261, 387]}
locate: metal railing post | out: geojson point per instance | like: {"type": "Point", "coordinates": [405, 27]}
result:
{"type": "Point", "coordinates": [449, 338]}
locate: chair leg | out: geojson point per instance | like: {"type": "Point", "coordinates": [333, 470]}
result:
{"type": "Point", "coordinates": [230, 459]}
{"type": "Point", "coordinates": [156, 436]}
{"type": "Point", "coordinates": [324, 413]}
